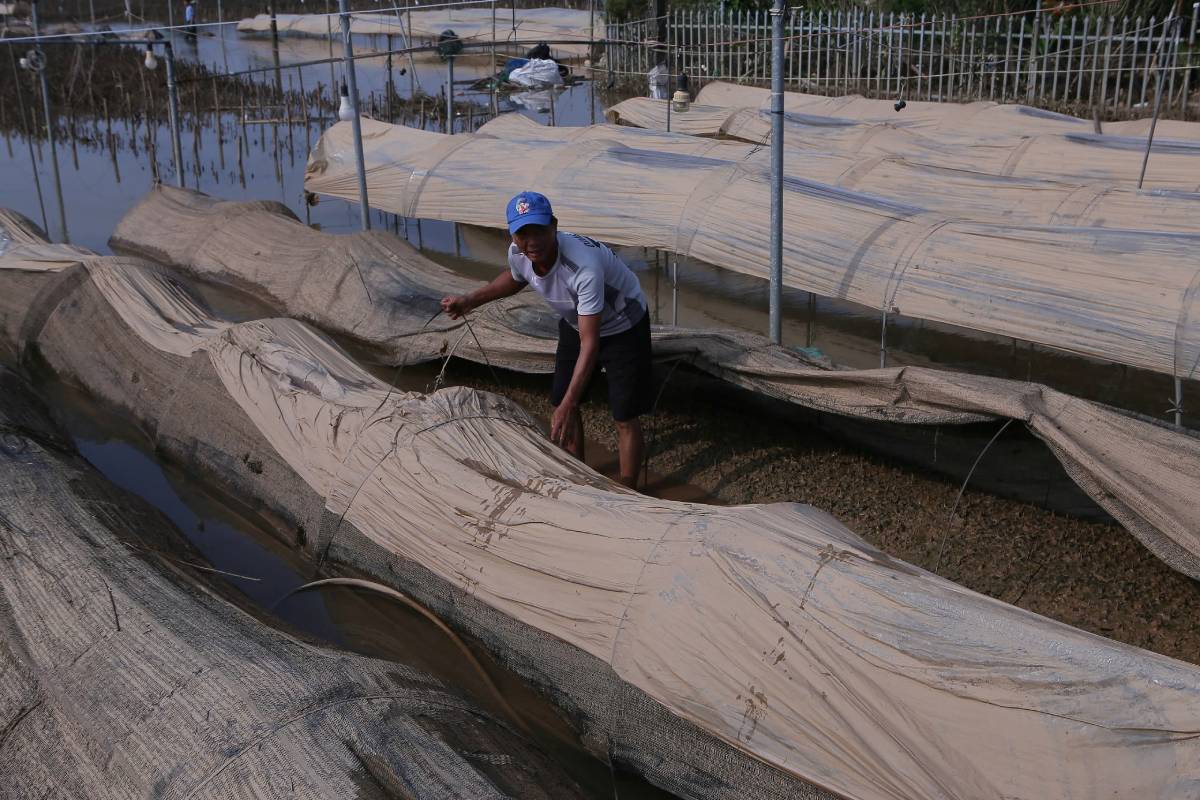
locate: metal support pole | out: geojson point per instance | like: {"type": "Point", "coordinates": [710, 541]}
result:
{"type": "Point", "coordinates": [62, 212]}
{"type": "Point", "coordinates": [675, 291]}
{"type": "Point", "coordinates": [1170, 29]}
{"type": "Point", "coordinates": [173, 112]}
{"type": "Point", "coordinates": [450, 94]}
{"type": "Point", "coordinates": [495, 86]}
{"type": "Point", "coordinates": [1178, 402]}
{"type": "Point", "coordinates": [776, 293]}
{"type": "Point", "coordinates": [883, 340]}
{"type": "Point", "coordinates": [352, 85]}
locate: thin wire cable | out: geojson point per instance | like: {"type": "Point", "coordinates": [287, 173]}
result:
{"type": "Point", "coordinates": [963, 488]}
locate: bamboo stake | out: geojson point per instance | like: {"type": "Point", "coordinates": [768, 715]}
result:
{"type": "Point", "coordinates": [1057, 58]}
{"type": "Point", "coordinates": [942, 69]}
{"type": "Point", "coordinates": [1107, 56]}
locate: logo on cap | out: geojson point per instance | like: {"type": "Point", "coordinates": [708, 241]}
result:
{"type": "Point", "coordinates": [522, 206]}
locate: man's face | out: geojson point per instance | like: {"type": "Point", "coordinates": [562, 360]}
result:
{"type": "Point", "coordinates": [537, 242]}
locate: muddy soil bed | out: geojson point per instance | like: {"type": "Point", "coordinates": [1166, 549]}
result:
{"type": "Point", "coordinates": [1088, 573]}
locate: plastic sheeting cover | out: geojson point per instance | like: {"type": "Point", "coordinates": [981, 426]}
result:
{"type": "Point", "coordinates": [999, 149]}
{"type": "Point", "coordinates": [22, 243]}
{"type": "Point", "coordinates": [1118, 295]}
{"type": "Point", "coordinates": [773, 627]}
{"type": "Point", "coordinates": [379, 290]}
{"type": "Point", "coordinates": [1028, 201]}
{"type": "Point", "coordinates": [123, 677]}
{"type": "Point", "coordinates": [981, 116]}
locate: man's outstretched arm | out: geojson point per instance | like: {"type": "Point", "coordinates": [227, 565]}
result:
{"type": "Point", "coordinates": [503, 285]}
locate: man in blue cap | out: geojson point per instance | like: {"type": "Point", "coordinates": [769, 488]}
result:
{"type": "Point", "coordinates": [604, 322]}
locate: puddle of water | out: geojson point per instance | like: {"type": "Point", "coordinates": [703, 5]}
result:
{"type": "Point", "coordinates": [238, 542]}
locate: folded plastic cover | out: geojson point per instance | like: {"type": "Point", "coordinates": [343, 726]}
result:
{"type": "Point", "coordinates": [773, 627]}
{"type": "Point", "coordinates": [1114, 294]}
{"type": "Point", "coordinates": [23, 246]}
{"type": "Point", "coordinates": [380, 291]}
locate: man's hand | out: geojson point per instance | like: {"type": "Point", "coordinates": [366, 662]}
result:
{"type": "Point", "coordinates": [457, 306]}
{"type": "Point", "coordinates": [564, 427]}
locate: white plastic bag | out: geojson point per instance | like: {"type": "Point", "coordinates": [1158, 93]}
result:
{"type": "Point", "coordinates": [537, 73]}
{"type": "Point", "coordinates": [659, 80]}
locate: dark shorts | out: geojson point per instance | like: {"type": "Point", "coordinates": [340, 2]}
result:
{"type": "Point", "coordinates": [625, 358]}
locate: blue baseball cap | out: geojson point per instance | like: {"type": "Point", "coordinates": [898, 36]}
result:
{"type": "Point", "coordinates": [528, 208]}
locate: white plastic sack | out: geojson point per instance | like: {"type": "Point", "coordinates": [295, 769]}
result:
{"type": "Point", "coordinates": [537, 73]}
{"type": "Point", "coordinates": [659, 80]}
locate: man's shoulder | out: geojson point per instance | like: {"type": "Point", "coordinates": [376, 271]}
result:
{"type": "Point", "coordinates": [580, 252]}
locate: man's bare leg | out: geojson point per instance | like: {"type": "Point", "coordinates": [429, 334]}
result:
{"type": "Point", "coordinates": [631, 445]}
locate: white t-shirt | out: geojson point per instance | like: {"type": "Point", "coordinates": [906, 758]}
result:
{"type": "Point", "coordinates": [587, 278]}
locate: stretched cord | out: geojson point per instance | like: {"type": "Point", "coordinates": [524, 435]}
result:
{"type": "Point", "coordinates": [654, 413]}
{"type": "Point", "coordinates": [391, 390]}
{"type": "Point", "coordinates": [963, 488]}
{"type": "Point", "coordinates": [400, 597]}
{"type": "Point", "coordinates": [437, 383]}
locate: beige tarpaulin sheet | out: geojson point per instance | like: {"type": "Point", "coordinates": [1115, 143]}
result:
{"type": "Point", "coordinates": [21, 242]}
{"type": "Point", "coordinates": [773, 628]}
{"type": "Point", "coordinates": [1121, 295]}
{"type": "Point", "coordinates": [377, 289]}
{"type": "Point", "coordinates": [980, 117]}
{"type": "Point", "coordinates": [999, 149]}
{"type": "Point", "coordinates": [1027, 201]}
{"type": "Point", "coordinates": [471, 24]}
{"type": "Point", "coordinates": [124, 677]}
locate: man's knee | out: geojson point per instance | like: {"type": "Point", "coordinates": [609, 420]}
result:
{"type": "Point", "coordinates": [628, 427]}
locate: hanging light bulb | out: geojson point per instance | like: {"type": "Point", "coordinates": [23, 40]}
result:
{"type": "Point", "coordinates": [151, 62]}
{"type": "Point", "coordinates": [345, 110]}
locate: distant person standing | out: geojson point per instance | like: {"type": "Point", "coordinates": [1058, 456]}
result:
{"type": "Point", "coordinates": [604, 323]}
{"type": "Point", "coordinates": [189, 19]}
